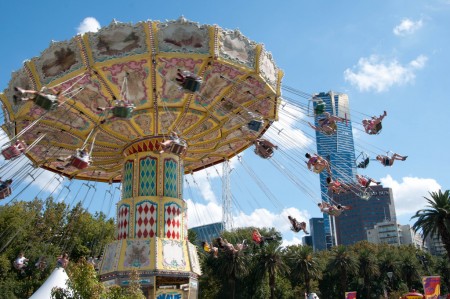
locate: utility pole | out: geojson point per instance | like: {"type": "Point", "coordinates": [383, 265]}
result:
{"type": "Point", "coordinates": [227, 217]}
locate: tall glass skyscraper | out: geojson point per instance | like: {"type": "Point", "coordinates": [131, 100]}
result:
{"type": "Point", "coordinates": [339, 149]}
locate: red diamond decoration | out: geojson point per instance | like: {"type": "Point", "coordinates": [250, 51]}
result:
{"type": "Point", "coordinates": [168, 234]}
{"type": "Point", "coordinates": [152, 209]}
{"type": "Point", "coordinates": [140, 209]}
{"type": "Point", "coordinates": [140, 221]}
{"type": "Point", "coordinates": [145, 233]}
{"type": "Point", "coordinates": [152, 221]}
{"type": "Point", "coordinates": [178, 223]}
{"type": "Point", "coordinates": [178, 235]}
{"type": "Point", "coordinates": [145, 221]}
{"type": "Point", "coordinates": [168, 222]}
{"type": "Point", "coordinates": [169, 210]}
{"type": "Point", "coordinates": [152, 233]}
{"type": "Point", "coordinates": [173, 223]}
{"type": "Point", "coordinates": [146, 209]}
{"type": "Point", "coordinates": [139, 234]}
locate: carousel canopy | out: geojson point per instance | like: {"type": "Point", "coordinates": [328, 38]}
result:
{"type": "Point", "coordinates": [138, 63]}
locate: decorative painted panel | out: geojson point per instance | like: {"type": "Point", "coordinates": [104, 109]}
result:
{"type": "Point", "coordinates": [173, 257]}
{"type": "Point", "coordinates": [117, 40]}
{"type": "Point", "coordinates": [127, 182]}
{"type": "Point", "coordinates": [137, 254]}
{"type": "Point", "coordinates": [183, 36]}
{"type": "Point", "coordinates": [172, 221]}
{"type": "Point", "coordinates": [123, 221]}
{"type": "Point", "coordinates": [148, 167]}
{"type": "Point", "coordinates": [146, 219]}
{"type": "Point", "coordinates": [170, 178]}
{"type": "Point", "coordinates": [193, 258]}
{"type": "Point", "coordinates": [111, 256]}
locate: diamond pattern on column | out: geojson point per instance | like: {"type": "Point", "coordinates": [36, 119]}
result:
{"type": "Point", "coordinates": [148, 167]}
{"type": "Point", "coordinates": [170, 178]}
{"type": "Point", "coordinates": [123, 219]}
{"type": "Point", "coordinates": [127, 182]}
{"type": "Point", "coordinates": [146, 219]}
{"type": "Point", "coordinates": [172, 220]}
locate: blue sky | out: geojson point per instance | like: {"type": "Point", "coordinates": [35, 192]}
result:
{"type": "Point", "coordinates": [386, 55]}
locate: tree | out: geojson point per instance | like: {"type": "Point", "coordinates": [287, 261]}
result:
{"type": "Point", "coordinates": [270, 261]}
{"type": "Point", "coordinates": [435, 219]}
{"type": "Point", "coordinates": [343, 263]}
{"type": "Point", "coordinates": [304, 265]}
{"type": "Point", "coordinates": [368, 268]}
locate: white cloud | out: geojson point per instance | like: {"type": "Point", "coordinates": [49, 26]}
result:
{"type": "Point", "coordinates": [407, 27]}
{"type": "Point", "coordinates": [202, 180]}
{"type": "Point", "coordinates": [408, 194]}
{"type": "Point", "coordinates": [375, 74]}
{"type": "Point", "coordinates": [89, 24]}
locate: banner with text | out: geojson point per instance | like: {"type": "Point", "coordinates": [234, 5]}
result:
{"type": "Point", "coordinates": [431, 286]}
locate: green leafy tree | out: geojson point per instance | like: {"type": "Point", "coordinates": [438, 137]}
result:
{"type": "Point", "coordinates": [368, 268]}
{"type": "Point", "coordinates": [270, 261]}
{"type": "Point", "coordinates": [435, 219]}
{"type": "Point", "coordinates": [304, 265]}
{"type": "Point", "coordinates": [343, 264]}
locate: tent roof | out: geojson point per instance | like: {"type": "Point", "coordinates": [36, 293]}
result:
{"type": "Point", "coordinates": [58, 279]}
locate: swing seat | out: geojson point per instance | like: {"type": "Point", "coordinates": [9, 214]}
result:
{"type": "Point", "coordinates": [79, 163]}
{"type": "Point", "coordinates": [191, 83]}
{"type": "Point", "coordinates": [365, 195]}
{"type": "Point", "coordinates": [319, 108]}
{"type": "Point", "coordinates": [47, 102]}
{"type": "Point", "coordinates": [12, 151]}
{"type": "Point", "coordinates": [5, 192]}
{"type": "Point", "coordinates": [364, 163]}
{"type": "Point", "coordinates": [318, 168]}
{"type": "Point", "coordinates": [255, 125]}
{"type": "Point", "coordinates": [177, 148]}
{"type": "Point", "coordinates": [266, 153]}
{"type": "Point", "coordinates": [377, 128]}
{"type": "Point", "coordinates": [123, 111]}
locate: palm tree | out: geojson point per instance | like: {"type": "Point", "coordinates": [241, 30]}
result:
{"type": "Point", "coordinates": [269, 260]}
{"type": "Point", "coordinates": [368, 269]}
{"type": "Point", "coordinates": [343, 263]}
{"type": "Point", "coordinates": [304, 265]}
{"type": "Point", "coordinates": [435, 219]}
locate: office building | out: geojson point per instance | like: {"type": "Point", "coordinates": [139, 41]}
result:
{"type": "Point", "coordinates": [307, 241]}
{"type": "Point", "coordinates": [339, 149]}
{"type": "Point", "coordinates": [435, 245]}
{"type": "Point", "coordinates": [393, 233]}
{"type": "Point", "coordinates": [208, 232]}
{"type": "Point", "coordinates": [317, 233]}
{"type": "Point", "coordinates": [352, 225]}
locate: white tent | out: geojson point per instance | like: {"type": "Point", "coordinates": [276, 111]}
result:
{"type": "Point", "coordinates": [57, 279]}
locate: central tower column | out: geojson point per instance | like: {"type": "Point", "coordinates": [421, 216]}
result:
{"type": "Point", "coordinates": [151, 232]}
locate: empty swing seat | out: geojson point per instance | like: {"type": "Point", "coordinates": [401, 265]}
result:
{"type": "Point", "coordinates": [177, 147]}
{"type": "Point", "coordinates": [123, 111]}
{"type": "Point", "coordinates": [5, 192]}
{"type": "Point", "coordinates": [191, 83]}
{"type": "Point", "coordinates": [79, 163]}
{"type": "Point", "coordinates": [364, 163]}
{"type": "Point", "coordinates": [46, 101]}
{"type": "Point", "coordinates": [255, 125]}
{"type": "Point", "coordinates": [319, 108]}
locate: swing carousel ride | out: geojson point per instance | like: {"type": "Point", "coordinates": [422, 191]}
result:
{"type": "Point", "coordinates": [143, 104]}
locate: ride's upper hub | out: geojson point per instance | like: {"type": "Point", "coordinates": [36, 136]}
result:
{"type": "Point", "coordinates": [139, 64]}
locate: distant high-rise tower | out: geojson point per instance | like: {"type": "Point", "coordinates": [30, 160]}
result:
{"type": "Point", "coordinates": [316, 230]}
{"type": "Point", "coordinates": [339, 149]}
{"type": "Point", "coordinates": [352, 225]}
